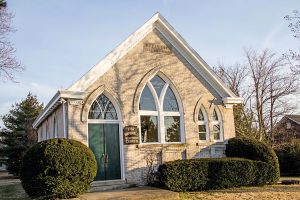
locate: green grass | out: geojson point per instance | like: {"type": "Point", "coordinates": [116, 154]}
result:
{"type": "Point", "coordinates": [238, 193]}
{"type": "Point", "coordinates": [12, 191]}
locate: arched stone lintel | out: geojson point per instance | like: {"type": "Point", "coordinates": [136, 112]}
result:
{"type": "Point", "coordinates": [91, 96]}
{"type": "Point", "coordinates": [196, 110]}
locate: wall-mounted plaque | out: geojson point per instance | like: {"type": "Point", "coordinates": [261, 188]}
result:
{"type": "Point", "coordinates": [131, 135]}
{"type": "Point", "coordinates": [76, 102]}
{"type": "Point", "coordinates": [156, 48]}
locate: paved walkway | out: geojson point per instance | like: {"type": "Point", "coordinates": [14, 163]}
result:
{"type": "Point", "coordinates": [145, 193]}
{"type": "Point", "coordinates": [6, 179]}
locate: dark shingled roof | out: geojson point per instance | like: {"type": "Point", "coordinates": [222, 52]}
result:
{"type": "Point", "coordinates": [295, 118]}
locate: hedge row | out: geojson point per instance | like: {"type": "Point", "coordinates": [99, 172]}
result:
{"type": "Point", "coordinates": [289, 159]}
{"type": "Point", "coordinates": [213, 173]}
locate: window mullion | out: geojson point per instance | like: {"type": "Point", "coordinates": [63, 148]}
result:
{"type": "Point", "coordinates": [162, 95]}
{"type": "Point", "coordinates": [162, 125]}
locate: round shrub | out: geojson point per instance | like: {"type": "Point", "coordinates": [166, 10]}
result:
{"type": "Point", "coordinates": [57, 168]}
{"type": "Point", "coordinates": [252, 149]}
{"type": "Point", "coordinates": [289, 159]}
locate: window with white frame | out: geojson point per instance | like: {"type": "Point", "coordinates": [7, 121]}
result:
{"type": "Point", "coordinates": [159, 113]}
{"type": "Point", "coordinates": [203, 125]}
{"type": "Point", "coordinates": [217, 125]}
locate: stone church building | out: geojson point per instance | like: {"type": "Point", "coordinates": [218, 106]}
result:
{"type": "Point", "coordinates": [151, 100]}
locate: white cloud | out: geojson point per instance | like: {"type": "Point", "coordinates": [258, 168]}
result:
{"type": "Point", "coordinates": [270, 38]}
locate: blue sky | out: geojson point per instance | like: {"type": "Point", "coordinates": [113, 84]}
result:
{"type": "Point", "coordinates": [59, 40]}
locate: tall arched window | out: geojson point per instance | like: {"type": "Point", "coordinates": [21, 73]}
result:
{"type": "Point", "coordinates": [203, 125]}
{"type": "Point", "coordinates": [217, 125]}
{"type": "Point", "coordinates": [159, 112]}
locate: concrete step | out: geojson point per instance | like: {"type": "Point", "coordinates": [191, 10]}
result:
{"type": "Point", "coordinates": [110, 182]}
{"type": "Point", "coordinates": [98, 186]}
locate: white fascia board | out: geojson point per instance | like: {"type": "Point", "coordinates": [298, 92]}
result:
{"type": "Point", "coordinates": [54, 102]}
{"type": "Point", "coordinates": [233, 100]}
{"type": "Point", "coordinates": [229, 102]}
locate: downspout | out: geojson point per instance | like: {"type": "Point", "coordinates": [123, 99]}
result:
{"type": "Point", "coordinates": [63, 102]}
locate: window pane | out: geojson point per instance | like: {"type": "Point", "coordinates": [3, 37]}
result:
{"type": "Point", "coordinates": [102, 108]}
{"type": "Point", "coordinates": [158, 84]}
{"type": "Point", "coordinates": [200, 116]}
{"type": "Point", "coordinates": [215, 116]}
{"type": "Point", "coordinates": [216, 129]}
{"type": "Point", "coordinates": [147, 102]}
{"type": "Point", "coordinates": [149, 129]}
{"type": "Point", "coordinates": [202, 132]}
{"type": "Point", "coordinates": [170, 102]}
{"type": "Point", "coordinates": [172, 128]}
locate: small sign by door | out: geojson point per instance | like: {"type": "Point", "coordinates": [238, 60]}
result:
{"type": "Point", "coordinates": [131, 135]}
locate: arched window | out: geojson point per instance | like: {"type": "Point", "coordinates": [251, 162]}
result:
{"type": "Point", "coordinates": [217, 125]}
{"type": "Point", "coordinates": [159, 112]}
{"type": "Point", "coordinates": [102, 108]}
{"type": "Point", "coordinates": [203, 125]}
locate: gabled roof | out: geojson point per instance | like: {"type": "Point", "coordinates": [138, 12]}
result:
{"type": "Point", "coordinates": [294, 118]}
{"type": "Point", "coordinates": [158, 23]}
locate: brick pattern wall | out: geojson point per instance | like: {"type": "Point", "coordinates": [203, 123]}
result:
{"type": "Point", "coordinates": [125, 80]}
{"type": "Point", "coordinates": [284, 134]}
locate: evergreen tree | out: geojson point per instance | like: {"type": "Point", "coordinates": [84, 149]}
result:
{"type": "Point", "coordinates": [21, 135]}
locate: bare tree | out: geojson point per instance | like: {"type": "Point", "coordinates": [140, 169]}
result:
{"type": "Point", "coordinates": [271, 82]}
{"type": "Point", "coordinates": [294, 56]}
{"type": "Point", "coordinates": [265, 81]}
{"type": "Point", "coordinates": [235, 78]}
{"type": "Point", "coordinates": [8, 62]}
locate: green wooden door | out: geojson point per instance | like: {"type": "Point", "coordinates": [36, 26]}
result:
{"type": "Point", "coordinates": [104, 142]}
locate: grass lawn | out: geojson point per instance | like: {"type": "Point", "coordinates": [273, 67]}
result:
{"type": "Point", "coordinates": [12, 191]}
{"type": "Point", "coordinates": [269, 192]}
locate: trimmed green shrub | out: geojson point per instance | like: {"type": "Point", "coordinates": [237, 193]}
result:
{"type": "Point", "coordinates": [57, 168]}
{"type": "Point", "coordinates": [213, 173]}
{"type": "Point", "coordinates": [289, 159]}
{"type": "Point", "coordinates": [183, 175]}
{"type": "Point", "coordinates": [252, 149]}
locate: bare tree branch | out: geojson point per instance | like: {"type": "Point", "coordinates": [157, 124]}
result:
{"type": "Point", "coordinates": [9, 64]}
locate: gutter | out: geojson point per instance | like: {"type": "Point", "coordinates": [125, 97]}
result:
{"type": "Point", "coordinates": [58, 99]}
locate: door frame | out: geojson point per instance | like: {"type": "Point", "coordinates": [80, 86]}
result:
{"type": "Point", "coordinates": [102, 121]}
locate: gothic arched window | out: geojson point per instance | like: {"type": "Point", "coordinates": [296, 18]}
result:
{"type": "Point", "coordinates": [203, 125]}
{"type": "Point", "coordinates": [102, 108]}
{"type": "Point", "coordinates": [159, 113]}
{"type": "Point", "coordinates": [217, 125]}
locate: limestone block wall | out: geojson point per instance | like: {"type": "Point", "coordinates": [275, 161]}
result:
{"type": "Point", "coordinates": [125, 81]}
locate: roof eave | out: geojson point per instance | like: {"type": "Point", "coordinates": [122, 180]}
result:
{"type": "Point", "coordinates": [54, 102]}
